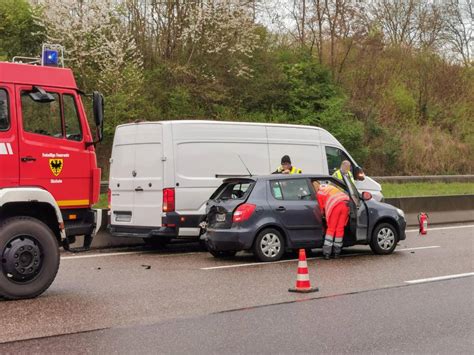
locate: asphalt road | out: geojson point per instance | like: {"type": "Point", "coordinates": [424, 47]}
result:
{"type": "Point", "coordinates": [184, 300]}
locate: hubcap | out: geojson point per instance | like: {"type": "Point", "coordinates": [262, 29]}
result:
{"type": "Point", "coordinates": [270, 245]}
{"type": "Point", "coordinates": [385, 238]}
{"type": "Point", "coordinates": [21, 259]}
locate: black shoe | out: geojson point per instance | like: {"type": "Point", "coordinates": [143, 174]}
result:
{"type": "Point", "coordinates": [326, 257]}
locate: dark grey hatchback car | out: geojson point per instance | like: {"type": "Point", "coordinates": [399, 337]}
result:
{"type": "Point", "coordinates": [273, 214]}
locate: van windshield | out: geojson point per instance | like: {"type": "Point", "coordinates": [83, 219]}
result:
{"type": "Point", "coordinates": [236, 190]}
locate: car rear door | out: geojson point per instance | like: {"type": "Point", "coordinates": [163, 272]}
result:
{"type": "Point", "coordinates": [294, 206]}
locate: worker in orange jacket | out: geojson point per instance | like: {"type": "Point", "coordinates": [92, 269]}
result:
{"type": "Point", "coordinates": [333, 204]}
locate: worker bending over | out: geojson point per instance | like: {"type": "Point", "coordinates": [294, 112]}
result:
{"type": "Point", "coordinates": [333, 204]}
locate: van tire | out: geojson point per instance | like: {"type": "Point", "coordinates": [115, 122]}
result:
{"type": "Point", "coordinates": [277, 241]}
{"type": "Point", "coordinates": [31, 242]}
{"type": "Point", "coordinates": [384, 239]}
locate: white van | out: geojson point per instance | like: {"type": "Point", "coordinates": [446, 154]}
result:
{"type": "Point", "coordinates": [162, 173]}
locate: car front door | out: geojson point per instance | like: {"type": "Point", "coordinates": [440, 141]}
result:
{"type": "Point", "coordinates": [358, 213]}
{"type": "Point", "coordinates": [294, 205]}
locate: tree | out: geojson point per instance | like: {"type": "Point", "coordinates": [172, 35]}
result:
{"type": "Point", "coordinates": [20, 35]}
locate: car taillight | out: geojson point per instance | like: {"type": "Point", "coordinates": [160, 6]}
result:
{"type": "Point", "coordinates": [243, 212]}
{"type": "Point", "coordinates": [109, 198]}
{"type": "Point", "coordinates": [168, 200]}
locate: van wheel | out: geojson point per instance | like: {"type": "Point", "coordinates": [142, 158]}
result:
{"type": "Point", "coordinates": [269, 245]}
{"type": "Point", "coordinates": [156, 242]}
{"type": "Point", "coordinates": [222, 254]}
{"type": "Point", "coordinates": [29, 257]}
{"type": "Point", "coordinates": [384, 239]}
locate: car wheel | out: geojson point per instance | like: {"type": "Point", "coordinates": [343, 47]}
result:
{"type": "Point", "coordinates": [29, 258]}
{"type": "Point", "coordinates": [156, 242]}
{"type": "Point", "coordinates": [222, 254]}
{"type": "Point", "coordinates": [269, 245]}
{"type": "Point", "coordinates": [384, 239]}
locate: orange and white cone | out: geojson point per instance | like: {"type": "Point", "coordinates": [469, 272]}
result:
{"type": "Point", "coordinates": [303, 284]}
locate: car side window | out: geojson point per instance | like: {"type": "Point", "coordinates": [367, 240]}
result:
{"type": "Point", "coordinates": [291, 190]}
{"type": "Point", "coordinates": [4, 115]}
{"type": "Point", "coordinates": [334, 157]}
{"type": "Point", "coordinates": [71, 119]}
{"type": "Point", "coordinates": [41, 117]}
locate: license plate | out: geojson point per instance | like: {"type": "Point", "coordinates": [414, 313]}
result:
{"type": "Point", "coordinates": [220, 217]}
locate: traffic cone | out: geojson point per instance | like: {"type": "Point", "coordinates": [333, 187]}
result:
{"type": "Point", "coordinates": [303, 284]}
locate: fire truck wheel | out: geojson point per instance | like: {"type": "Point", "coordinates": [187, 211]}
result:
{"type": "Point", "coordinates": [29, 257]}
{"type": "Point", "coordinates": [384, 239]}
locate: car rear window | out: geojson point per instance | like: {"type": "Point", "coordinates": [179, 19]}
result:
{"type": "Point", "coordinates": [291, 190]}
{"type": "Point", "coordinates": [233, 190]}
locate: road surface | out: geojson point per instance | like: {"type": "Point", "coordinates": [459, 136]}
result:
{"type": "Point", "coordinates": [419, 299]}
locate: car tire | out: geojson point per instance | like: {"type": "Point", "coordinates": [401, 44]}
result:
{"type": "Point", "coordinates": [29, 257]}
{"type": "Point", "coordinates": [384, 239]}
{"type": "Point", "coordinates": [157, 242]}
{"type": "Point", "coordinates": [269, 245]}
{"type": "Point", "coordinates": [222, 254]}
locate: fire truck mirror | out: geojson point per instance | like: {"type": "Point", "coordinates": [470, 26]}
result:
{"type": "Point", "coordinates": [98, 108]}
{"type": "Point", "coordinates": [39, 95]}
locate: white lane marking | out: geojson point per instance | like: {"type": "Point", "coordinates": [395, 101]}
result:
{"type": "Point", "coordinates": [442, 228]}
{"type": "Point", "coordinates": [314, 258]}
{"type": "Point", "coordinates": [122, 253]}
{"type": "Point", "coordinates": [419, 248]}
{"type": "Point", "coordinates": [439, 278]}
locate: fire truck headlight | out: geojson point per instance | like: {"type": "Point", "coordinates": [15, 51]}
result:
{"type": "Point", "coordinates": [50, 57]}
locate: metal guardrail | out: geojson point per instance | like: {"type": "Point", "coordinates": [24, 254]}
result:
{"type": "Point", "coordinates": [426, 178]}
{"type": "Point", "coordinates": [104, 185]}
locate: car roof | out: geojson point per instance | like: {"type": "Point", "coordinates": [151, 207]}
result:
{"type": "Point", "coordinates": [279, 177]}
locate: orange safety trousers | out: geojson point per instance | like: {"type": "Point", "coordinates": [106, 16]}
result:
{"type": "Point", "coordinates": [337, 220]}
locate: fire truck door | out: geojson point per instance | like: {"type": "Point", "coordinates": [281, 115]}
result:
{"type": "Point", "coordinates": [53, 153]}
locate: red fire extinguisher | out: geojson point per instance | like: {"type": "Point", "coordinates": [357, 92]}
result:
{"type": "Point", "coordinates": [423, 221]}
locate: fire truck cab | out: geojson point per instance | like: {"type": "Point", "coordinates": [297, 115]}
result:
{"type": "Point", "coordinates": [49, 177]}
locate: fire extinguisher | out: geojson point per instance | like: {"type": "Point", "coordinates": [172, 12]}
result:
{"type": "Point", "coordinates": [423, 222]}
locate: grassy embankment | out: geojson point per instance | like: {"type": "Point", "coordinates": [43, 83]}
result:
{"type": "Point", "coordinates": [397, 190]}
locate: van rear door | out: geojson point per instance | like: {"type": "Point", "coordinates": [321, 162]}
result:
{"type": "Point", "coordinates": [136, 176]}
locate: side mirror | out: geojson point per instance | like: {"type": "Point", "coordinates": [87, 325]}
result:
{"type": "Point", "coordinates": [366, 196]}
{"type": "Point", "coordinates": [359, 173]}
{"type": "Point", "coordinates": [98, 109]}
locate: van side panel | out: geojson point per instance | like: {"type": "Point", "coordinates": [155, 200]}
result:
{"type": "Point", "coordinates": [205, 153]}
{"type": "Point", "coordinates": [301, 144]}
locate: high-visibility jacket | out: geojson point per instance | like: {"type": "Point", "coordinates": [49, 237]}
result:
{"type": "Point", "coordinates": [338, 175]}
{"type": "Point", "coordinates": [293, 170]}
{"type": "Point", "coordinates": [328, 197]}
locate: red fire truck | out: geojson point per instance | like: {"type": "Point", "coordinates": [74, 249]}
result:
{"type": "Point", "coordinates": [49, 177]}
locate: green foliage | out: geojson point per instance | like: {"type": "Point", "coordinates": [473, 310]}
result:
{"type": "Point", "coordinates": [20, 35]}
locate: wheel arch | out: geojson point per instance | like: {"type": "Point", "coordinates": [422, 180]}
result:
{"type": "Point", "coordinates": [32, 202]}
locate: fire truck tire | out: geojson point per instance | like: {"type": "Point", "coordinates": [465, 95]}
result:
{"type": "Point", "coordinates": [29, 258]}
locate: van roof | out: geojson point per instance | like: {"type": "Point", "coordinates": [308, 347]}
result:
{"type": "Point", "coordinates": [180, 122]}
{"type": "Point", "coordinates": [28, 74]}
{"type": "Point", "coordinates": [325, 135]}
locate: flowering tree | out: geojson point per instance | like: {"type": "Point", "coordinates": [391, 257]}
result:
{"type": "Point", "coordinates": [97, 43]}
